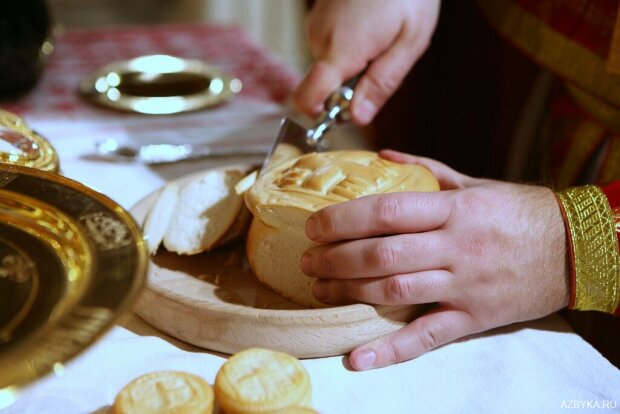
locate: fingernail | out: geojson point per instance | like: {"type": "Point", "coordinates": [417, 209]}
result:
{"type": "Point", "coordinates": [306, 264]}
{"type": "Point", "coordinates": [319, 289]}
{"type": "Point", "coordinates": [312, 230]}
{"type": "Point", "coordinates": [366, 111]}
{"type": "Point", "coordinates": [364, 360]}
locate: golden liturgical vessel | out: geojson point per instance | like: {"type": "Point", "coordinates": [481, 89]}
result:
{"type": "Point", "coordinates": [72, 261]}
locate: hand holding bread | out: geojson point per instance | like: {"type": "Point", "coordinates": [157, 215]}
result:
{"type": "Point", "coordinates": [284, 197]}
{"type": "Point", "coordinates": [489, 253]}
{"type": "Point", "coordinates": [335, 229]}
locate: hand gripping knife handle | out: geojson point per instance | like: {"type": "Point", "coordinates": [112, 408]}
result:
{"type": "Point", "coordinates": [336, 111]}
{"type": "Point", "coordinates": [311, 140]}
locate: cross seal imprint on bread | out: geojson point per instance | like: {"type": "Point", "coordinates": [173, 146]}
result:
{"type": "Point", "coordinates": [166, 391]}
{"type": "Point", "coordinates": [283, 198]}
{"type": "Point", "coordinates": [257, 381]}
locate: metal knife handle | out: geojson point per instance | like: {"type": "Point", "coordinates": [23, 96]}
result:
{"type": "Point", "coordinates": [336, 110]}
{"type": "Point", "coordinates": [343, 97]}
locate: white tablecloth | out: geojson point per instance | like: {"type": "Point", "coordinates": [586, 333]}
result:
{"type": "Point", "coordinates": [538, 367]}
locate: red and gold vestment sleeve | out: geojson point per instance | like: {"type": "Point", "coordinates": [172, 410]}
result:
{"type": "Point", "coordinates": [592, 217]}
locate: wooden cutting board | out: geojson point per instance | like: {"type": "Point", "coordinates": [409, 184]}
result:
{"type": "Point", "coordinates": [214, 301]}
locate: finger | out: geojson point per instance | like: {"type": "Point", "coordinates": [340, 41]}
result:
{"type": "Point", "coordinates": [375, 257]}
{"type": "Point", "coordinates": [310, 95]}
{"type": "Point", "coordinates": [404, 289]}
{"type": "Point", "coordinates": [382, 214]}
{"type": "Point", "coordinates": [384, 75]}
{"type": "Point", "coordinates": [448, 178]}
{"type": "Point", "coordinates": [324, 77]}
{"type": "Point", "coordinates": [420, 336]}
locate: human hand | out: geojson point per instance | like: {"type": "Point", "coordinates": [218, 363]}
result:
{"type": "Point", "coordinates": [344, 36]}
{"type": "Point", "coordinates": [489, 253]}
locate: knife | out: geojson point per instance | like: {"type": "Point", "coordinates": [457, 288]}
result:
{"type": "Point", "coordinates": [313, 139]}
{"type": "Point", "coordinates": [112, 150]}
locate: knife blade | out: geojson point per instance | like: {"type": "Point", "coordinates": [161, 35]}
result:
{"type": "Point", "coordinates": [303, 140]}
{"type": "Point", "coordinates": [294, 135]}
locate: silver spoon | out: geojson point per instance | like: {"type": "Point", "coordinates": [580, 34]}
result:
{"type": "Point", "coordinates": [112, 150]}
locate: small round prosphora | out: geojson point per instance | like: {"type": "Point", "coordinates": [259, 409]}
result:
{"type": "Point", "coordinates": [165, 392]}
{"type": "Point", "coordinates": [257, 381]}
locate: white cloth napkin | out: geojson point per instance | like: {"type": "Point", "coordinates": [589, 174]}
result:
{"type": "Point", "coordinates": [536, 367]}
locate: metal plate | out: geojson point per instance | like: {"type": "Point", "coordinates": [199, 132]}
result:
{"type": "Point", "coordinates": [159, 85]}
{"type": "Point", "coordinates": [71, 262]}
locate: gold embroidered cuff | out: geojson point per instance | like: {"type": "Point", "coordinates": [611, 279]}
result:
{"type": "Point", "coordinates": [594, 249]}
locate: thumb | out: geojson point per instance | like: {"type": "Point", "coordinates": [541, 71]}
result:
{"type": "Point", "coordinates": [428, 332]}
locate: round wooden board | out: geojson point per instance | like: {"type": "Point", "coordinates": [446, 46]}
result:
{"type": "Point", "coordinates": [214, 301]}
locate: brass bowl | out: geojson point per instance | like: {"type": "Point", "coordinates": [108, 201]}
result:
{"type": "Point", "coordinates": [159, 85]}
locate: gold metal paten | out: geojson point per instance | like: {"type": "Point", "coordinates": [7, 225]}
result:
{"type": "Point", "coordinates": [29, 148]}
{"type": "Point", "coordinates": [71, 263]}
{"type": "Point", "coordinates": [158, 85]}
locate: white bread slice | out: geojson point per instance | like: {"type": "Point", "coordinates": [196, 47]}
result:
{"type": "Point", "coordinates": [283, 198]}
{"type": "Point", "coordinates": [158, 217]}
{"type": "Point", "coordinates": [197, 213]}
{"type": "Point", "coordinates": [205, 210]}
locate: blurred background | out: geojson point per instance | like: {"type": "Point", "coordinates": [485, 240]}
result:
{"type": "Point", "coordinates": [276, 24]}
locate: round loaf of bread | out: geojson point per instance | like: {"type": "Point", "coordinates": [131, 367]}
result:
{"type": "Point", "coordinates": [165, 392]}
{"type": "Point", "coordinates": [284, 197]}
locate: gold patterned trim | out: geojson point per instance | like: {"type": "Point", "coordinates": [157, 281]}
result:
{"type": "Point", "coordinates": [594, 245]}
